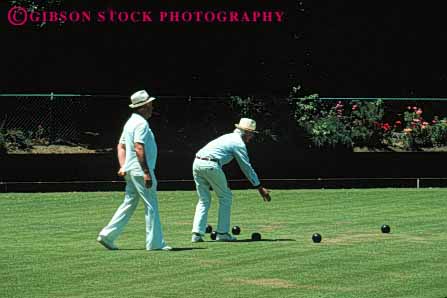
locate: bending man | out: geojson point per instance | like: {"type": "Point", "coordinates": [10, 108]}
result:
{"type": "Point", "coordinates": [208, 173]}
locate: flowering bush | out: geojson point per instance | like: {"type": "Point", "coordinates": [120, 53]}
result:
{"type": "Point", "coordinates": [344, 124]}
{"type": "Point", "coordinates": [354, 123]}
{"type": "Point", "coordinates": [415, 132]}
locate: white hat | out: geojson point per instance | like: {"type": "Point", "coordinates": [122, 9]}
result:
{"type": "Point", "coordinates": [247, 124]}
{"type": "Point", "coordinates": [140, 98]}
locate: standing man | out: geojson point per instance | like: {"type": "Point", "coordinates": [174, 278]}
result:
{"type": "Point", "coordinates": [137, 156]}
{"type": "Point", "coordinates": [207, 172]}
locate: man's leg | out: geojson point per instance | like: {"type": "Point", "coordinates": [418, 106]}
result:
{"type": "Point", "coordinates": [203, 205]}
{"type": "Point", "coordinates": [154, 233]}
{"type": "Point", "coordinates": [219, 183]}
{"type": "Point", "coordinates": [122, 215]}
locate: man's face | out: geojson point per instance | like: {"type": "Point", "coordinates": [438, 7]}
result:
{"type": "Point", "coordinates": [249, 136]}
{"type": "Point", "coordinates": [148, 108]}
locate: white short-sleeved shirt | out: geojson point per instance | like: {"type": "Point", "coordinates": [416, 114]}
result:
{"type": "Point", "coordinates": [137, 130]}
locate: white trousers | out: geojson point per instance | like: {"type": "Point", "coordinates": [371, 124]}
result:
{"type": "Point", "coordinates": [135, 189]}
{"type": "Point", "coordinates": [209, 174]}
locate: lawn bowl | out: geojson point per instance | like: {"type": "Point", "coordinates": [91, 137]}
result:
{"type": "Point", "coordinates": [316, 238]}
{"type": "Point", "coordinates": [236, 230]}
{"type": "Point", "coordinates": [213, 235]}
{"type": "Point", "coordinates": [385, 228]}
{"type": "Point", "coordinates": [256, 237]}
{"type": "Point", "coordinates": [209, 229]}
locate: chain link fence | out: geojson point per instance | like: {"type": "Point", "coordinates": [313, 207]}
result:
{"type": "Point", "coordinates": [179, 122]}
{"type": "Point", "coordinates": [95, 121]}
{"type": "Point", "coordinates": [54, 118]}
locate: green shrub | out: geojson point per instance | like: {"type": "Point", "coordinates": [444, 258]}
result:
{"type": "Point", "coordinates": [439, 132]}
{"type": "Point", "coordinates": [349, 124]}
{"type": "Point", "coordinates": [322, 122]}
{"type": "Point", "coordinates": [272, 114]}
{"type": "Point", "coordinates": [365, 123]}
{"type": "Point", "coordinates": [18, 139]}
{"type": "Point", "coordinates": [313, 122]}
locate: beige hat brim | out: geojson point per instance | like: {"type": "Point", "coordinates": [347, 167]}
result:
{"type": "Point", "coordinates": [136, 105]}
{"type": "Point", "coordinates": [246, 129]}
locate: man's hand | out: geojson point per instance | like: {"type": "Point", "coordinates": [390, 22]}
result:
{"type": "Point", "coordinates": [121, 172]}
{"type": "Point", "coordinates": [147, 180]}
{"type": "Point", "coordinates": [264, 192]}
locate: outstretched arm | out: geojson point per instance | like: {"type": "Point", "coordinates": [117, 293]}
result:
{"type": "Point", "coordinates": [265, 193]}
{"type": "Point", "coordinates": [241, 155]}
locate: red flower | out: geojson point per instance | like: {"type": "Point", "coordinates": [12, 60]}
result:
{"type": "Point", "coordinates": [386, 126]}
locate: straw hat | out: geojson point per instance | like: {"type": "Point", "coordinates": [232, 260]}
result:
{"type": "Point", "coordinates": [140, 98]}
{"type": "Point", "coordinates": [247, 124]}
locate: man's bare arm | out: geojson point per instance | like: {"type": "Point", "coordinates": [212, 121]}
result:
{"type": "Point", "coordinates": [121, 152]}
{"type": "Point", "coordinates": [141, 156]}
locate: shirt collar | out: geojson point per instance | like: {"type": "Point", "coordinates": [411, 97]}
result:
{"type": "Point", "coordinates": [138, 115]}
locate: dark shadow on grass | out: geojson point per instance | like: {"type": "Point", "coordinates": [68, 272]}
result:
{"type": "Point", "coordinates": [186, 248]}
{"type": "Point", "coordinates": [265, 240]}
{"type": "Point", "coordinates": [173, 249]}
{"type": "Point", "coordinates": [249, 240]}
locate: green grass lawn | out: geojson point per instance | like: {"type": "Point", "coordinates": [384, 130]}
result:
{"type": "Point", "coordinates": [48, 246]}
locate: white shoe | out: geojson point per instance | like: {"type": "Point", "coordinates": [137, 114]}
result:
{"type": "Point", "coordinates": [226, 237]}
{"type": "Point", "coordinates": [196, 238]}
{"type": "Point", "coordinates": [107, 244]}
{"type": "Point", "coordinates": [164, 248]}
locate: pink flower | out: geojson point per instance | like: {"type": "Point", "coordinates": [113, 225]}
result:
{"type": "Point", "coordinates": [434, 121]}
{"type": "Point", "coordinates": [415, 108]}
{"type": "Point", "coordinates": [425, 123]}
{"type": "Point", "coordinates": [419, 112]}
{"type": "Point", "coordinates": [416, 120]}
{"type": "Point", "coordinates": [398, 122]}
{"type": "Point", "coordinates": [409, 107]}
{"type": "Point", "coordinates": [354, 107]}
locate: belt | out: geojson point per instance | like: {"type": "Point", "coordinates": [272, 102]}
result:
{"type": "Point", "coordinates": [207, 158]}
